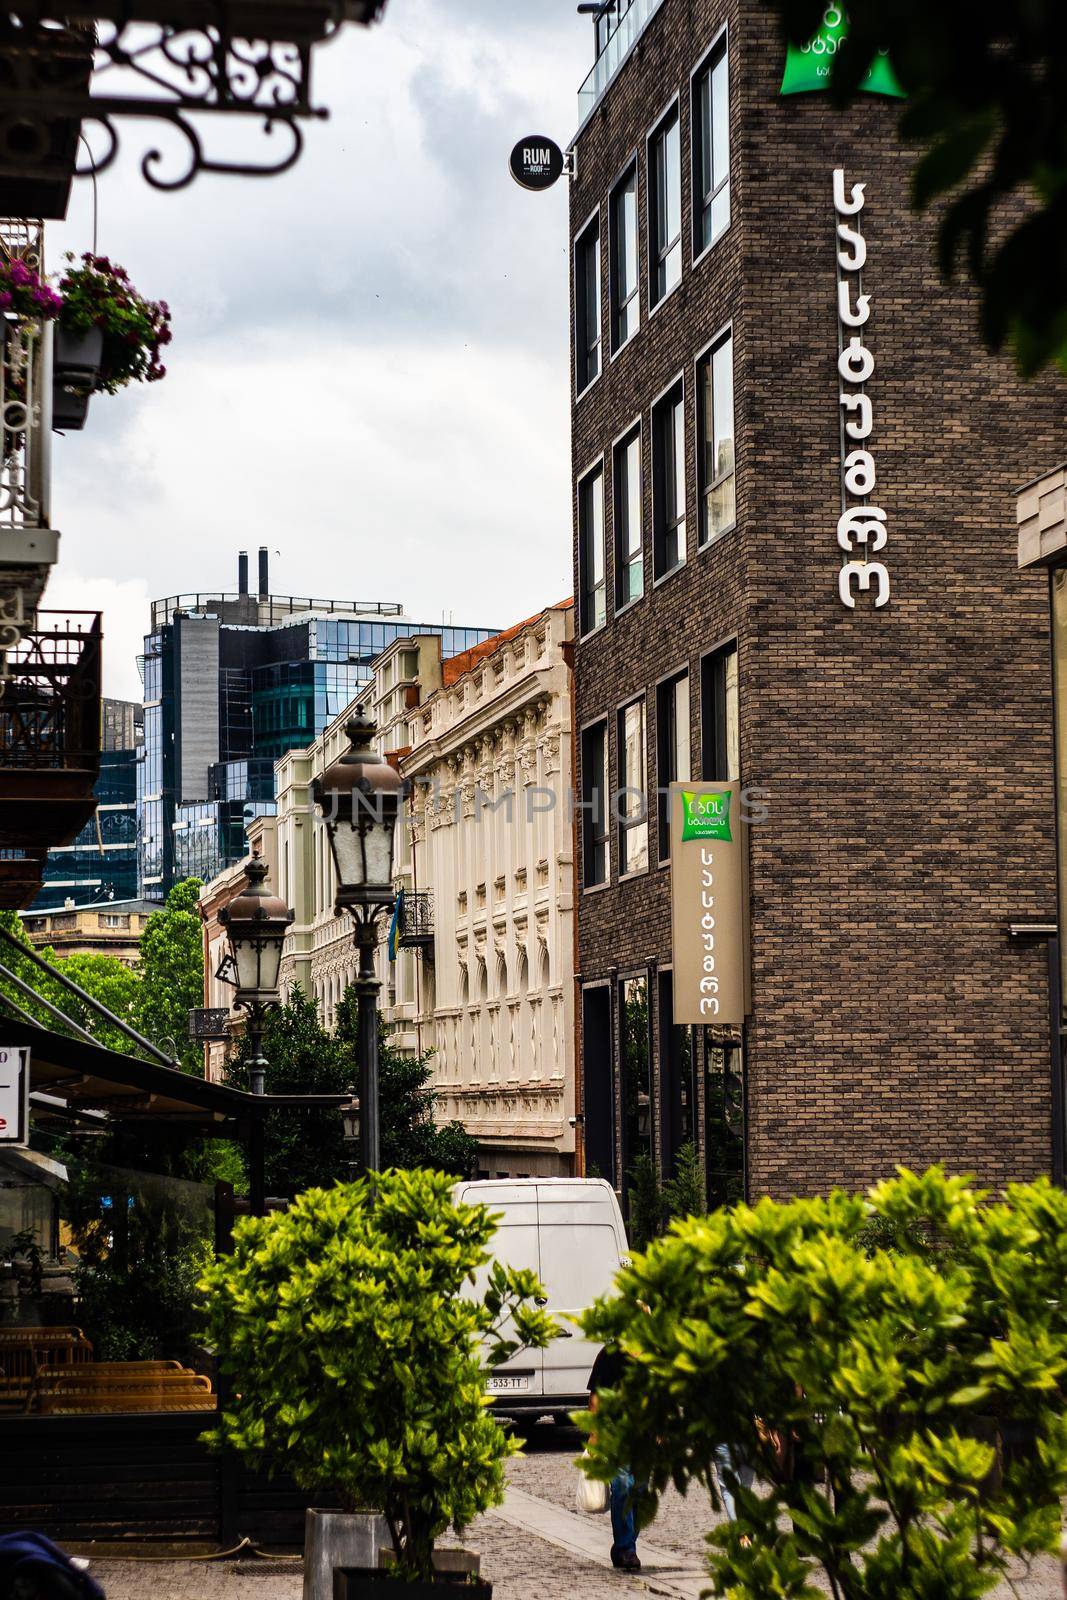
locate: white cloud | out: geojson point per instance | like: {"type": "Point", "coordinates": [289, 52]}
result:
{"type": "Point", "coordinates": [369, 371]}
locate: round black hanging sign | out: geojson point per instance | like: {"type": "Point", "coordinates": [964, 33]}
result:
{"type": "Point", "coordinates": [536, 162]}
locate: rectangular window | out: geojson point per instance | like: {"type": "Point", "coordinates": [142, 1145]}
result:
{"type": "Point", "coordinates": [635, 1061]}
{"type": "Point", "coordinates": [668, 481]}
{"type": "Point", "coordinates": [629, 540]}
{"type": "Point", "coordinates": [672, 749]}
{"type": "Point", "coordinates": [595, 863]}
{"type": "Point", "coordinates": [711, 151]}
{"type": "Point", "coordinates": [664, 208]}
{"type": "Point", "coordinates": [587, 306]}
{"type": "Point", "coordinates": [591, 550]}
{"type": "Point", "coordinates": [632, 803]}
{"type": "Point", "coordinates": [715, 440]}
{"type": "Point", "coordinates": [719, 716]}
{"type": "Point", "coordinates": [625, 278]}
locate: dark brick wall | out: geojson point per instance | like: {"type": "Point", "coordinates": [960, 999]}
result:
{"type": "Point", "coordinates": [906, 750]}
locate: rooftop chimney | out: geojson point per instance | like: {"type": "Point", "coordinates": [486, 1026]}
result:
{"type": "Point", "coordinates": [242, 572]}
{"type": "Point", "coordinates": [264, 583]}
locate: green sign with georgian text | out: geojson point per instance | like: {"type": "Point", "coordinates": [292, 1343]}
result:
{"type": "Point", "coordinates": [808, 67]}
{"type": "Point", "coordinates": [706, 816]}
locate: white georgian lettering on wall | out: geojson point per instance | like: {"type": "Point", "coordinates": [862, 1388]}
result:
{"type": "Point", "coordinates": [861, 529]}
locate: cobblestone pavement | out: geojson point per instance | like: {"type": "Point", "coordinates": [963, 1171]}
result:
{"type": "Point", "coordinates": [519, 1562]}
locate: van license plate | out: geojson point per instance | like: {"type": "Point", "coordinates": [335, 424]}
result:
{"type": "Point", "coordinates": [506, 1383]}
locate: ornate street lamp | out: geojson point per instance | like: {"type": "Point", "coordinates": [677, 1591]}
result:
{"type": "Point", "coordinates": [256, 923]}
{"type": "Point", "coordinates": [359, 797]}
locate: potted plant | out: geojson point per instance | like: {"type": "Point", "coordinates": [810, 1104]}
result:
{"type": "Point", "coordinates": [357, 1346]}
{"type": "Point", "coordinates": [108, 335]}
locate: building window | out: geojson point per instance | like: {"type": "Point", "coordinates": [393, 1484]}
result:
{"type": "Point", "coordinates": [595, 862]}
{"type": "Point", "coordinates": [672, 749]}
{"type": "Point", "coordinates": [636, 1082]}
{"type": "Point", "coordinates": [587, 305]}
{"type": "Point", "coordinates": [591, 550]}
{"type": "Point", "coordinates": [711, 151]}
{"type": "Point", "coordinates": [625, 277]}
{"type": "Point", "coordinates": [664, 208]}
{"type": "Point", "coordinates": [719, 706]}
{"type": "Point", "coordinates": [632, 805]}
{"type": "Point", "coordinates": [715, 440]}
{"type": "Point", "coordinates": [668, 481]}
{"type": "Point", "coordinates": [629, 538]}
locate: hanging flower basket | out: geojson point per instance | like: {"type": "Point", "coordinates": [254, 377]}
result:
{"type": "Point", "coordinates": [98, 298]}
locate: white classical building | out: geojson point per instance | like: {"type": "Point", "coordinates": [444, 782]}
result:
{"type": "Point", "coordinates": [484, 976]}
{"type": "Point", "coordinates": [490, 762]}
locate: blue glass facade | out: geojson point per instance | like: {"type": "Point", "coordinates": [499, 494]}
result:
{"type": "Point", "coordinates": [101, 864]}
{"type": "Point", "coordinates": [279, 686]}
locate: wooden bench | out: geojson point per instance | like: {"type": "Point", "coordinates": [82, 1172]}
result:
{"type": "Point", "coordinates": [103, 1386]}
{"type": "Point", "coordinates": [24, 1350]}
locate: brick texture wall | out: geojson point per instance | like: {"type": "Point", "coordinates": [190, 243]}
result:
{"type": "Point", "coordinates": [906, 751]}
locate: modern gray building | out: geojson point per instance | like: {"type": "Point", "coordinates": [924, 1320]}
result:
{"type": "Point", "coordinates": [231, 683]}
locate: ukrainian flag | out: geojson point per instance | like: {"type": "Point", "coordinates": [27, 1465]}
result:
{"type": "Point", "coordinates": [394, 926]}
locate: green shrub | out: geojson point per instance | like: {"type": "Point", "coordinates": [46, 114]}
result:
{"type": "Point", "coordinates": [685, 1194]}
{"type": "Point", "coordinates": [903, 1407]}
{"type": "Point", "coordinates": [355, 1352]}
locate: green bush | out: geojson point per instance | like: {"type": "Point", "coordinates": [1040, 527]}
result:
{"type": "Point", "coordinates": [355, 1352]}
{"type": "Point", "coordinates": [903, 1407]}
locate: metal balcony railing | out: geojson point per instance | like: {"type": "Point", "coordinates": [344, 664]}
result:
{"type": "Point", "coordinates": [270, 609]}
{"type": "Point", "coordinates": [50, 696]}
{"type": "Point", "coordinates": [633, 16]}
{"type": "Point", "coordinates": [416, 922]}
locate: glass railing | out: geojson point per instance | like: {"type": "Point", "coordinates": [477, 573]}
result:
{"type": "Point", "coordinates": [621, 41]}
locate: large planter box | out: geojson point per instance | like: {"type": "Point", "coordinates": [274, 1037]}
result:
{"type": "Point", "coordinates": [335, 1539]}
{"type": "Point", "coordinates": [456, 1576]}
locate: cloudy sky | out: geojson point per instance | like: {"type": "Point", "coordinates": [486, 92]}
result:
{"type": "Point", "coordinates": [369, 367]}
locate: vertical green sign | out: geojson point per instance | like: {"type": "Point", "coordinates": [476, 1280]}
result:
{"type": "Point", "coordinates": [808, 66]}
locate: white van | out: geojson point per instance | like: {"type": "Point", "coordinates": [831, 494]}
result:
{"type": "Point", "coordinates": [569, 1231]}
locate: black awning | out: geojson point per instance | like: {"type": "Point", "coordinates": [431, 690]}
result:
{"type": "Point", "coordinates": [89, 1077]}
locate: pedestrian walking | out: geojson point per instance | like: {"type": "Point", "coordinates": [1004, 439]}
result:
{"type": "Point", "coordinates": [726, 1461]}
{"type": "Point", "coordinates": [624, 1493]}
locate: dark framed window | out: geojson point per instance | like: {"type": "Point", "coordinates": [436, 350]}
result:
{"type": "Point", "coordinates": [595, 847]}
{"type": "Point", "coordinates": [677, 1076]}
{"type": "Point", "coordinates": [625, 271]}
{"type": "Point", "coordinates": [711, 150]}
{"type": "Point", "coordinates": [715, 439]}
{"type": "Point", "coordinates": [664, 208]}
{"type": "Point", "coordinates": [720, 754]}
{"type": "Point", "coordinates": [668, 481]}
{"type": "Point", "coordinates": [723, 1069]}
{"type": "Point", "coordinates": [587, 305]}
{"type": "Point", "coordinates": [629, 520]}
{"type": "Point", "coordinates": [592, 607]}
{"type": "Point", "coordinates": [598, 1082]}
{"type": "Point", "coordinates": [636, 1075]}
{"type": "Point", "coordinates": [632, 802]}
{"type": "Point", "coordinates": [672, 749]}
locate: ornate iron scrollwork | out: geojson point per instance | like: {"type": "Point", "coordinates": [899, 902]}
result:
{"type": "Point", "coordinates": [196, 65]}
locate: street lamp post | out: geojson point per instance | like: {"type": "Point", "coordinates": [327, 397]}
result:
{"type": "Point", "coordinates": [256, 923]}
{"type": "Point", "coordinates": [359, 796]}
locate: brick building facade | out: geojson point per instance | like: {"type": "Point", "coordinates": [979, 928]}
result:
{"type": "Point", "coordinates": [904, 749]}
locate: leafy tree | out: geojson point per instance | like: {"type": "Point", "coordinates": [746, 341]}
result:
{"type": "Point", "coordinates": [356, 1347]}
{"type": "Point", "coordinates": [307, 1148]}
{"type": "Point", "coordinates": [172, 974]}
{"type": "Point", "coordinates": [986, 86]}
{"type": "Point", "coordinates": [301, 1148]}
{"type": "Point", "coordinates": [904, 1408]}
{"type": "Point", "coordinates": [685, 1193]}
{"type": "Point", "coordinates": [646, 1205]}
